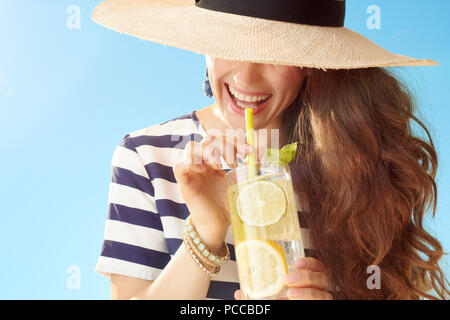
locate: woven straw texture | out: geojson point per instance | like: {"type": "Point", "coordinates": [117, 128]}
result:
{"type": "Point", "coordinates": [179, 23]}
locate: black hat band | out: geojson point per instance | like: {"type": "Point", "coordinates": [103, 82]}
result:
{"type": "Point", "coordinates": [326, 13]}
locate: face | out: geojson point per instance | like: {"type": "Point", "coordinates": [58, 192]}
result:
{"type": "Point", "coordinates": [268, 89]}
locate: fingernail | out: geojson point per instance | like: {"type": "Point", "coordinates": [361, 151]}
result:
{"type": "Point", "coordinates": [301, 263]}
{"type": "Point", "coordinates": [292, 277]}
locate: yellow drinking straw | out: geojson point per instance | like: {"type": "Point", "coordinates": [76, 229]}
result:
{"type": "Point", "coordinates": [249, 132]}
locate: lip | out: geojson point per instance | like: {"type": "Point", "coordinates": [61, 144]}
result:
{"type": "Point", "coordinates": [241, 111]}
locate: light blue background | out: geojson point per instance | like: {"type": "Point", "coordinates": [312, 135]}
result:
{"type": "Point", "coordinates": [67, 97]}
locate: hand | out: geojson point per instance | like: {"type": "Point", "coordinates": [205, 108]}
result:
{"type": "Point", "coordinates": [308, 282]}
{"type": "Point", "coordinates": [202, 183]}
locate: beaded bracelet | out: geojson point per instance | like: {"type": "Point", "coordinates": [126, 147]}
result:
{"type": "Point", "coordinates": [205, 253]}
{"type": "Point", "coordinates": [199, 254]}
{"type": "Point", "coordinates": [207, 261]}
{"type": "Point", "coordinates": [208, 271]}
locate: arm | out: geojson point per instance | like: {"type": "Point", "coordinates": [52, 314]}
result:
{"type": "Point", "coordinates": [124, 287]}
{"type": "Point", "coordinates": [180, 279]}
{"type": "Point", "coordinates": [199, 185]}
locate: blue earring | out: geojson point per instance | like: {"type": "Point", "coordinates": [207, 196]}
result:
{"type": "Point", "coordinates": [207, 86]}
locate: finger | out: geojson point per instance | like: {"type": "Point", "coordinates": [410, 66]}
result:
{"type": "Point", "coordinates": [193, 153]}
{"type": "Point", "coordinates": [307, 279]}
{"type": "Point", "coordinates": [219, 170]}
{"type": "Point", "coordinates": [237, 138]}
{"type": "Point", "coordinates": [209, 154]}
{"type": "Point", "coordinates": [182, 171]}
{"type": "Point", "coordinates": [310, 263]}
{"type": "Point", "coordinates": [230, 148]}
{"type": "Point", "coordinates": [192, 162]}
{"type": "Point", "coordinates": [308, 294]}
{"type": "Point", "coordinates": [238, 295]}
{"type": "Point", "coordinates": [216, 146]}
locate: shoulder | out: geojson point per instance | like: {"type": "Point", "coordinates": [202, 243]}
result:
{"type": "Point", "coordinates": [165, 134]}
{"type": "Point", "coordinates": [184, 124]}
{"type": "Point", "coordinates": [162, 143]}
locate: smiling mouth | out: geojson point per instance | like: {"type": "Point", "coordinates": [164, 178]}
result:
{"type": "Point", "coordinates": [246, 104]}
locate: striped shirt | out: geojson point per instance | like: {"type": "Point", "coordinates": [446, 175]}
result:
{"type": "Point", "coordinates": [146, 212]}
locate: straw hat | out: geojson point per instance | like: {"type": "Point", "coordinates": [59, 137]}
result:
{"type": "Point", "coordinates": [304, 33]}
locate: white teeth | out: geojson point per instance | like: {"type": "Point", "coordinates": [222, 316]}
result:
{"type": "Point", "coordinates": [242, 105]}
{"type": "Point", "coordinates": [246, 98]}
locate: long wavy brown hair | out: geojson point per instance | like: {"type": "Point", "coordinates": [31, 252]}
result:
{"type": "Point", "coordinates": [369, 183]}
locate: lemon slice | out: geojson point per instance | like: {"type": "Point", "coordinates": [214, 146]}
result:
{"type": "Point", "coordinates": [261, 203]}
{"type": "Point", "coordinates": [262, 267]}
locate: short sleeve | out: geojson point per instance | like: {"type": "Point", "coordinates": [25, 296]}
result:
{"type": "Point", "coordinates": [134, 244]}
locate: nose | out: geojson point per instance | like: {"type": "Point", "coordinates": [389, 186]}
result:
{"type": "Point", "coordinates": [248, 75]}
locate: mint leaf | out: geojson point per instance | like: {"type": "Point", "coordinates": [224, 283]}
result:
{"type": "Point", "coordinates": [283, 156]}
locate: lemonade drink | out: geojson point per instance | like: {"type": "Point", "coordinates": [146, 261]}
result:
{"type": "Point", "coordinates": [265, 227]}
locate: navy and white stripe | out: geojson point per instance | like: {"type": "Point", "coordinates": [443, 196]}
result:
{"type": "Point", "coordinates": [146, 213]}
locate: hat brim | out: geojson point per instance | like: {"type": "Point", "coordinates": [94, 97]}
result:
{"type": "Point", "coordinates": [181, 24]}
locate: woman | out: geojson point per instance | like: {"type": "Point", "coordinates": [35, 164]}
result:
{"type": "Point", "coordinates": [367, 184]}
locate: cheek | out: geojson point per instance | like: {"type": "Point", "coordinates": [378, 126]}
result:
{"type": "Point", "coordinates": [285, 98]}
{"type": "Point", "coordinates": [216, 79]}
{"type": "Point", "coordinates": [291, 86]}
{"type": "Point", "coordinates": [217, 67]}
{"type": "Point", "coordinates": [292, 77]}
